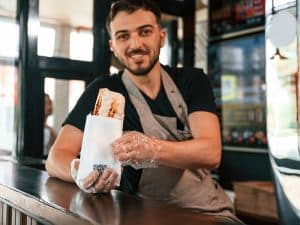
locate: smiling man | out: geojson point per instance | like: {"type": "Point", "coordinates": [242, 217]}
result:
{"type": "Point", "coordinates": [172, 137]}
{"type": "Point", "coordinates": [138, 45]}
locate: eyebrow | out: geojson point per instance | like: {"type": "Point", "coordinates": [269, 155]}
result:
{"type": "Point", "coordinates": [139, 28]}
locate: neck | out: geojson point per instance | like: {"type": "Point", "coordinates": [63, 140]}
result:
{"type": "Point", "coordinates": [150, 83]}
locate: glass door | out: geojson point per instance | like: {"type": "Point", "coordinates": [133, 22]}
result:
{"type": "Point", "coordinates": [60, 55]}
{"type": "Point", "coordinates": [9, 42]}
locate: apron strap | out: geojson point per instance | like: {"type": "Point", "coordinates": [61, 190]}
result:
{"type": "Point", "coordinates": [149, 123]}
{"type": "Point", "coordinates": [175, 98]}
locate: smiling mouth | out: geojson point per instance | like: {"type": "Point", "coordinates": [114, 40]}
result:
{"type": "Point", "coordinates": [137, 56]}
{"type": "Point", "coordinates": [137, 53]}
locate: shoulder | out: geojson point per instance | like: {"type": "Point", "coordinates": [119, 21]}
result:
{"type": "Point", "coordinates": [108, 81]}
{"type": "Point", "coordinates": [185, 74]}
{"type": "Point", "coordinates": [112, 82]}
{"type": "Point", "coordinates": [187, 77]}
{"type": "Point", "coordinates": [87, 100]}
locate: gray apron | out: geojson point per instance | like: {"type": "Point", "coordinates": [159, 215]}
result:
{"type": "Point", "coordinates": [188, 188]}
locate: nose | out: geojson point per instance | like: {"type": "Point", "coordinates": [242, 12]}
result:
{"type": "Point", "coordinates": [135, 41]}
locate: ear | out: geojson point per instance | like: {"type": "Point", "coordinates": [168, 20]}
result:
{"type": "Point", "coordinates": [162, 37]}
{"type": "Point", "coordinates": [111, 45]}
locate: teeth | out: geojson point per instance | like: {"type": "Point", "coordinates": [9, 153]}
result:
{"type": "Point", "coordinates": [137, 56]}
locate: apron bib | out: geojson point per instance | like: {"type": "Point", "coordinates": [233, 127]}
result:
{"type": "Point", "coordinates": [189, 188]}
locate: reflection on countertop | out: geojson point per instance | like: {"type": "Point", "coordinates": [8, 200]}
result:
{"type": "Point", "coordinates": [46, 200]}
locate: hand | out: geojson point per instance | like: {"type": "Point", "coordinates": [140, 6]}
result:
{"type": "Point", "coordinates": [101, 179]}
{"type": "Point", "coordinates": [136, 149]}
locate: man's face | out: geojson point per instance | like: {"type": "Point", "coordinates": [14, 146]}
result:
{"type": "Point", "coordinates": [136, 40]}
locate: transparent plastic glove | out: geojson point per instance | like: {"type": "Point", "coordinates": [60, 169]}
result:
{"type": "Point", "coordinates": [101, 179]}
{"type": "Point", "coordinates": [136, 149]}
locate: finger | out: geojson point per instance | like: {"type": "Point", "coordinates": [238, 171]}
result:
{"type": "Point", "coordinates": [119, 149]}
{"type": "Point", "coordinates": [100, 168]}
{"type": "Point", "coordinates": [134, 145]}
{"type": "Point", "coordinates": [131, 152]}
{"type": "Point", "coordinates": [123, 156]}
{"type": "Point", "coordinates": [129, 156]}
{"type": "Point", "coordinates": [100, 184]}
{"type": "Point", "coordinates": [76, 163]}
{"type": "Point", "coordinates": [91, 190]}
{"type": "Point", "coordinates": [90, 179]}
{"type": "Point", "coordinates": [110, 184]}
{"type": "Point", "coordinates": [74, 168]}
{"type": "Point", "coordinates": [127, 142]}
{"type": "Point", "coordinates": [125, 138]}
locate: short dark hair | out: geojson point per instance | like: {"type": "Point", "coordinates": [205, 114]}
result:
{"type": "Point", "coordinates": [131, 6]}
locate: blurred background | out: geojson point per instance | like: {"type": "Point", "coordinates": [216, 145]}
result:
{"type": "Point", "coordinates": [248, 48]}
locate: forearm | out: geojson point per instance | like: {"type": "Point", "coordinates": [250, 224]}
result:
{"type": "Point", "coordinates": [58, 165]}
{"type": "Point", "coordinates": [64, 150]}
{"type": "Point", "coordinates": [195, 153]}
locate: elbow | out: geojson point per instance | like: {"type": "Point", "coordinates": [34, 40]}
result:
{"type": "Point", "coordinates": [49, 165]}
{"type": "Point", "coordinates": [215, 163]}
{"type": "Point", "coordinates": [215, 159]}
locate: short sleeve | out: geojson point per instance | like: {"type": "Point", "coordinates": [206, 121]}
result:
{"type": "Point", "coordinates": [84, 106]}
{"type": "Point", "coordinates": [200, 93]}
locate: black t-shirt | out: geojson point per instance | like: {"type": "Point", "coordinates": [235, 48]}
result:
{"type": "Point", "coordinates": [193, 84]}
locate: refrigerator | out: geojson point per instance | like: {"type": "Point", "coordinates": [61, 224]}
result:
{"type": "Point", "coordinates": [237, 70]}
{"type": "Point", "coordinates": [236, 54]}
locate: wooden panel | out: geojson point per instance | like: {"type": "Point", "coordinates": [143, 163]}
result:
{"type": "Point", "coordinates": [13, 216]}
{"type": "Point", "coordinates": [38, 209]}
{"type": "Point", "coordinates": [21, 218]}
{"type": "Point", "coordinates": [256, 198]}
{"type": "Point", "coordinates": [18, 218]}
{"type": "Point", "coordinates": [1, 213]}
{"type": "Point", "coordinates": [34, 222]}
{"type": "Point", "coordinates": [28, 221]}
{"type": "Point", "coordinates": [6, 214]}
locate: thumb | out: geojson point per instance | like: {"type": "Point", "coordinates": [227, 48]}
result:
{"type": "Point", "coordinates": [74, 168]}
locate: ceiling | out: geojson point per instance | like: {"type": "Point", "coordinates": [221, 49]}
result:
{"type": "Point", "coordinates": [77, 13]}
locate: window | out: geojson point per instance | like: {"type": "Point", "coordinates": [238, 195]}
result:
{"type": "Point", "coordinates": [64, 95]}
{"type": "Point", "coordinates": [81, 45]}
{"type": "Point", "coordinates": [8, 81]}
{"type": "Point", "coordinates": [8, 99]}
{"type": "Point", "coordinates": [46, 41]}
{"type": "Point", "coordinates": [72, 22]}
{"type": "Point", "coordinates": [9, 39]}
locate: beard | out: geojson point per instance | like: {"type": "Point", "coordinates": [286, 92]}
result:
{"type": "Point", "coordinates": [140, 70]}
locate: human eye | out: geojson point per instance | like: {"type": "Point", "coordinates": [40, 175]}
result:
{"type": "Point", "coordinates": [122, 36]}
{"type": "Point", "coordinates": [145, 32]}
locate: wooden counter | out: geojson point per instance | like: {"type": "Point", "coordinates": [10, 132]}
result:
{"type": "Point", "coordinates": [29, 196]}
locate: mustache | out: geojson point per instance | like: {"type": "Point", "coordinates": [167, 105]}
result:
{"type": "Point", "coordinates": [137, 51]}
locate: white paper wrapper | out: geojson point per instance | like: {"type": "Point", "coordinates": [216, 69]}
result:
{"type": "Point", "coordinates": [99, 133]}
